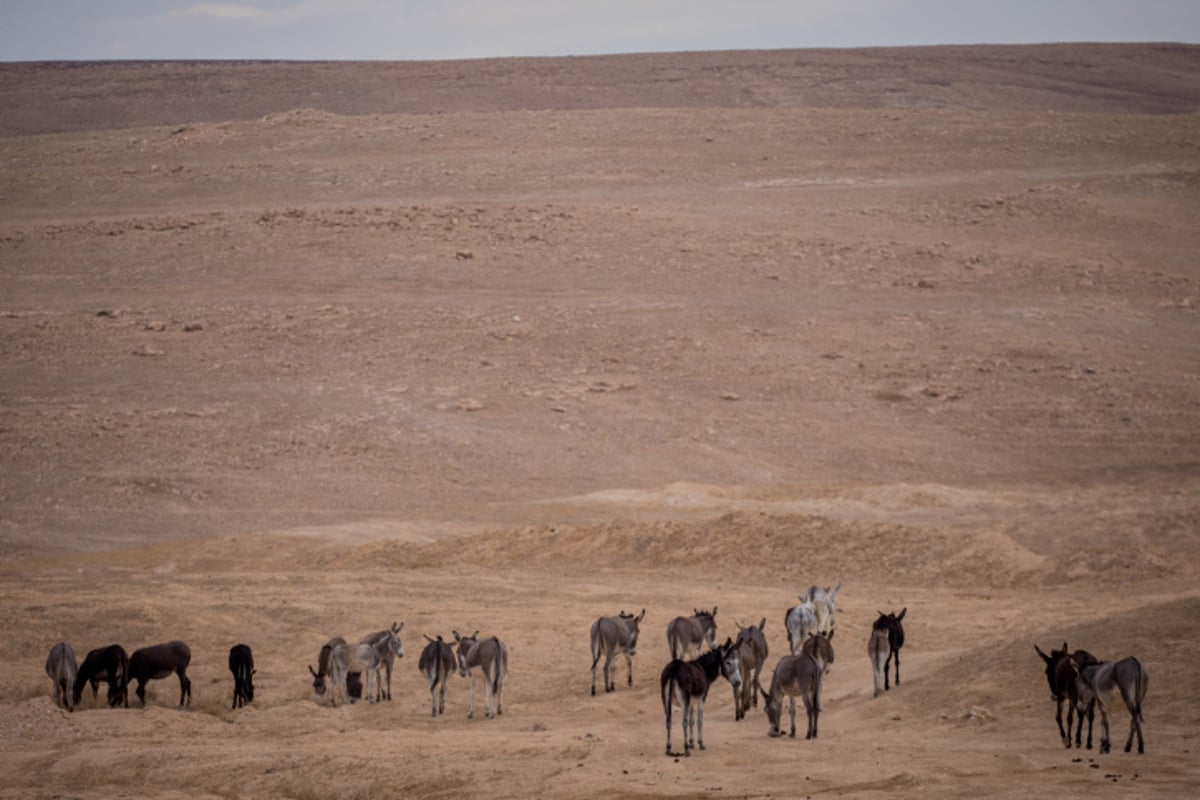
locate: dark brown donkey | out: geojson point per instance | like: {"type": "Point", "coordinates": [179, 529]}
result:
{"type": "Point", "coordinates": [687, 683]}
{"type": "Point", "coordinates": [109, 664]}
{"type": "Point", "coordinates": [895, 634]}
{"type": "Point", "coordinates": [1062, 668]}
{"type": "Point", "coordinates": [159, 661]}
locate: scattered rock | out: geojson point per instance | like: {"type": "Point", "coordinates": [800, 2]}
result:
{"type": "Point", "coordinates": [192, 327]}
{"type": "Point", "coordinates": [157, 326]}
{"type": "Point", "coordinates": [147, 350]}
{"type": "Point", "coordinates": [730, 396]}
{"type": "Point", "coordinates": [463, 255]}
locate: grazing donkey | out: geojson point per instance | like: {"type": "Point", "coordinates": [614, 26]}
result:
{"type": "Point", "coordinates": [353, 680]}
{"type": "Point", "coordinates": [879, 650]}
{"type": "Point", "coordinates": [686, 683]}
{"type": "Point", "coordinates": [159, 661]}
{"type": "Point", "coordinates": [389, 657]}
{"type": "Point", "coordinates": [436, 664]}
{"type": "Point", "coordinates": [109, 664]}
{"type": "Point", "coordinates": [752, 654]}
{"type": "Point", "coordinates": [801, 622]}
{"type": "Point", "coordinates": [61, 667]}
{"type": "Point", "coordinates": [684, 633]}
{"type": "Point", "coordinates": [799, 675]}
{"type": "Point", "coordinates": [1062, 668]}
{"type": "Point", "coordinates": [612, 635]}
{"type": "Point", "coordinates": [241, 664]}
{"type": "Point", "coordinates": [895, 634]}
{"type": "Point", "coordinates": [1099, 682]}
{"type": "Point", "coordinates": [365, 658]}
{"type": "Point", "coordinates": [491, 657]}
{"type": "Point", "coordinates": [824, 605]}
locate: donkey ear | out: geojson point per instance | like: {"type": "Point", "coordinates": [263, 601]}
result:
{"type": "Point", "coordinates": [1045, 657]}
{"type": "Point", "coordinates": [714, 613]}
{"type": "Point", "coordinates": [457, 637]}
{"type": "Point", "coordinates": [475, 635]}
{"type": "Point", "coordinates": [903, 611]}
{"type": "Point", "coordinates": [314, 674]}
{"type": "Point", "coordinates": [762, 624]}
{"type": "Point", "coordinates": [640, 616]}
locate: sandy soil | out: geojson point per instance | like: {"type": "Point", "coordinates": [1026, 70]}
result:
{"type": "Point", "coordinates": [295, 369]}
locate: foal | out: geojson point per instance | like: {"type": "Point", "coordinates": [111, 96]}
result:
{"type": "Point", "coordinates": [891, 623]}
{"type": "Point", "coordinates": [1099, 682]}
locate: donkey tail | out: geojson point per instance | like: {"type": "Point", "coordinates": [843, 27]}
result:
{"type": "Point", "coordinates": [595, 648]}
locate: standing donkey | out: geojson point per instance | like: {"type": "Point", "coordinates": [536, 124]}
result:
{"type": "Point", "coordinates": [824, 605]}
{"type": "Point", "coordinates": [800, 675]}
{"type": "Point", "coordinates": [800, 622]}
{"type": "Point", "coordinates": [437, 664]}
{"type": "Point", "coordinates": [684, 633]}
{"type": "Point", "coordinates": [365, 658]}
{"type": "Point", "coordinates": [612, 635]}
{"type": "Point", "coordinates": [891, 623]}
{"type": "Point", "coordinates": [353, 679]}
{"type": "Point", "coordinates": [61, 668]}
{"type": "Point", "coordinates": [686, 683]}
{"type": "Point", "coordinates": [752, 654]}
{"type": "Point", "coordinates": [1062, 668]}
{"type": "Point", "coordinates": [1099, 682]}
{"type": "Point", "coordinates": [491, 657]}
{"type": "Point", "coordinates": [389, 657]}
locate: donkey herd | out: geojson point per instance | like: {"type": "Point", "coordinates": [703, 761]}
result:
{"type": "Point", "coordinates": [345, 670]}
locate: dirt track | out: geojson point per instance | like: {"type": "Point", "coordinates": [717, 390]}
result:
{"type": "Point", "coordinates": [303, 373]}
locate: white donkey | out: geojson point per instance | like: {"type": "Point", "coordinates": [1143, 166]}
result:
{"type": "Point", "coordinates": [824, 605]}
{"type": "Point", "coordinates": [365, 658]}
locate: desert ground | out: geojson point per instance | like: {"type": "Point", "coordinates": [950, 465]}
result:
{"type": "Point", "coordinates": [291, 351]}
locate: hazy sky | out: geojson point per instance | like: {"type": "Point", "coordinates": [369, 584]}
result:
{"type": "Point", "coordinates": [437, 29]}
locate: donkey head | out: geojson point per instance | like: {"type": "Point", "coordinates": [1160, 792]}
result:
{"type": "Point", "coordinates": [773, 706]}
{"type": "Point", "coordinates": [318, 681]}
{"type": "Point", "coordinates": [465, 645]}
{"type": "Point", "coordinates": [731, 662]}
{"type": "Point", "coordinates": [394, 646]}
{"type": "Point", "coordinates": [631, 624]}
{"type": "Point", "coordinates": [1054, 663]}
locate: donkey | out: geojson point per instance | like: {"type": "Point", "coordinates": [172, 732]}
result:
{"type": "Point", "coordinates": [879, 650]}
{"type": "Point", "coordinates": [800, 675]}
{"type": "Point", "coordinates": [366, 658]}
{"type": "Point", "coordinates": [389, 657]}
{"type": "Point", "coordinates": [891, 623]}
{"type": "Point", "coordinates": [801, 622]}
{"type": "Point", "coordinates": [1062, 668]}
{"type": "Point", "coordinates": [159, 661]}
{"type": "Point", "coordinates": [436, 664]}
{"type": "Point", "coordinates": [491, 657]}
{"type": "Point", "coordinates": [752, 654]}
{"type": "Point", "coordinates": [1099, 682]}
{"type": "Point", "coordinates": [241, 664]}
{"type": "Point", "coordinates": [612, 635]}
{"type": "Point", "coordinates": [109, 664]}
{"type": "Point", "coordinates": [684, 633]}
{"type": "Point", "coordinates": [687, 683]}
{"type": "Point", "coordinates": [61, 668]}
{"type": "Point", "coordinates": [353, 679]}
{"type": "Point", "coordinates": [824, 605]}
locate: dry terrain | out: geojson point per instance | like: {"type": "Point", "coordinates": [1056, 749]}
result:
{"type": "Point", "coordinates": [295, 350]}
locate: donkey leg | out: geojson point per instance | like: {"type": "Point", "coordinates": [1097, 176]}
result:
{"type": "Point", "coordinates": [471, 709]}
{"type": "Point", "coordinates": [700, 722]}
{"type": "Point", "coordinates": [610, 672]}
{"type": "Point", "coordinates": [1105, 741]}
{"type": "Point", "coordinates": [792, 713]}
{"type": "Point", "coordinates": [629, 668]}
{"type": "Point", "coordinates": [896, 653]}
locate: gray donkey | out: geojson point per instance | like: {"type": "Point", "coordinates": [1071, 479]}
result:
{"type": "Point", "coordinates": [684, 633]}
{"type": "Point", "coordinates": [799, 675]}
{"type": "Point", "coordinates": [61, 667]}
{"type": "Point", "coordinates": [752, 654]}
{"type": "Point", "coordinates": [612, 635]}
{"type": "Point", "coordinates": [437, 664]}
{"type": "Point", "coordinates": [490, 656]}
{"type": "Point", "coordinates": [1100, 682]}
